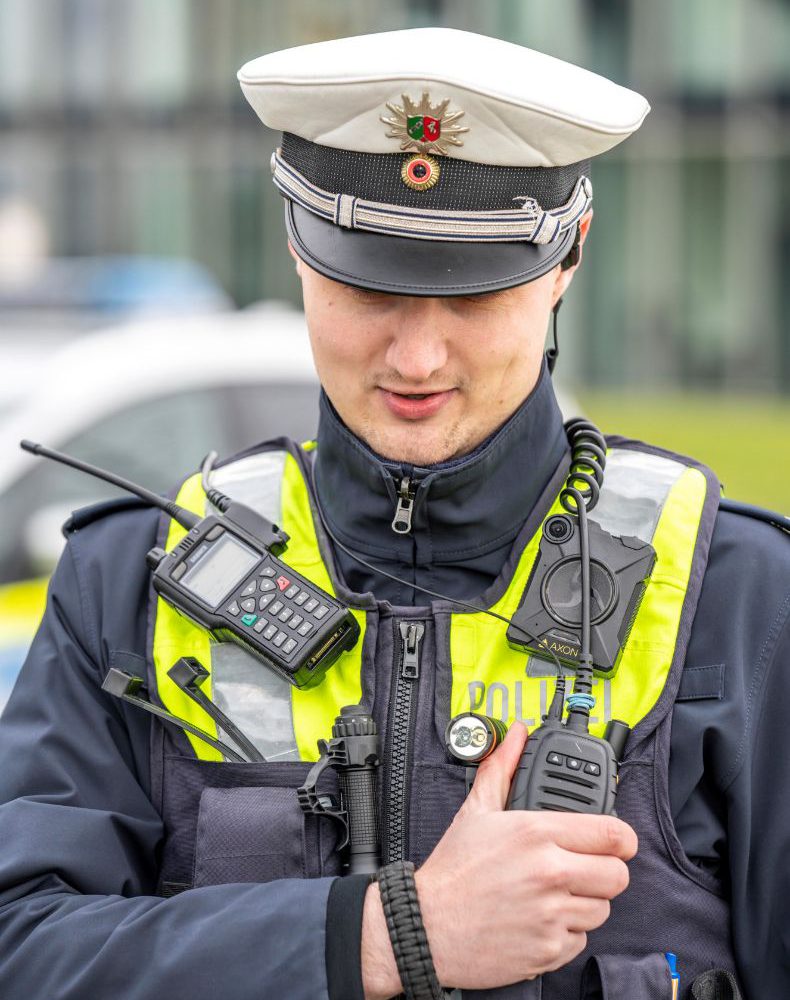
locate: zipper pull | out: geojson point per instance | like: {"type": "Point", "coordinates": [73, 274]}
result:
{"type": "Point", "coordinates": [401, 523]}
{"type": "Point", "coordinates": [411, 634]}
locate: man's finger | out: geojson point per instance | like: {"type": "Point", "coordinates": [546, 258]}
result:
{"type": "Point", "coordinates": [492, 781]}
{"type": "Point", "coordinates": [584, 834]}
{"type": "Point", "coordinates": [594, 876]}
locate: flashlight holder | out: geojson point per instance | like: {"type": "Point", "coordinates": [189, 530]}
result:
{"type": "Point", "coordinates": [353, 752]}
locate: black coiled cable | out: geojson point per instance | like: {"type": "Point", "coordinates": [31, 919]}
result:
{"type": "Point", "coordinates": [579, 495]}
{"type": "Point", "coordinates": [588, 461]}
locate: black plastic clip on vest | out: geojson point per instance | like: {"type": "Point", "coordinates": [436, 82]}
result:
{"type": "Point", "coordinates": [353, 752]}
{"type": "Point", "coordinates": [131, 688]}
{"type": "Point", "coordinates": [189, 674]}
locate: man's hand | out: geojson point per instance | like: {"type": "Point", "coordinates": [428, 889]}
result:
{"type": "Point", "coordinates": [506, 896]}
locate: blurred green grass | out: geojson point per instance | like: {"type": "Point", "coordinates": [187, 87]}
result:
{"type": "Point", "coordinates": [744, 439]}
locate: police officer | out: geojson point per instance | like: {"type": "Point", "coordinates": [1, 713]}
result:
{"type": "Point", "coordinates": [437, 192]}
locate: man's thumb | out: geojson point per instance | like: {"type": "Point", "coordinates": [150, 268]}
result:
{"type": "Point", "coordinates": [492, 781]}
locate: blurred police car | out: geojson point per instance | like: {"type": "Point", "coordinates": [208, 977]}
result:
{"type": "Point", "coordinates": [146, 400]}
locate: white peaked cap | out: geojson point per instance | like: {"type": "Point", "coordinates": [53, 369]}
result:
{"type": "Point", "coordinates": [520, 108]}
{"type": "Point", "coordinates": [433, 161]}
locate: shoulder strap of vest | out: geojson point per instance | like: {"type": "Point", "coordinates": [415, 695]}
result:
{"type": "Point", "coordinates": [758, 513]}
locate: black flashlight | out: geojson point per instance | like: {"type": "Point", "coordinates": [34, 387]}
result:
{"type": "Point", "coordinates": [353, 752]}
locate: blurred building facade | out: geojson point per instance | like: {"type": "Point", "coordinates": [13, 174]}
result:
{"type": "Point", "coordinates": [122, 122]}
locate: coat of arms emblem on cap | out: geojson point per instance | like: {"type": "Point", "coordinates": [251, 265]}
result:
{"type": "Point", "coordinates": [423, 126]}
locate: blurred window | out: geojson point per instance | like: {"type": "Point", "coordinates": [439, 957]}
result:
{"type": "Point", "coordinates": [266, 411]}
{"type": "Point", "coordinates": [155, 443]}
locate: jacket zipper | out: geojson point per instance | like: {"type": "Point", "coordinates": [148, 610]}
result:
{"type": "Point", "coordinates": [401, 523]}
{"type": "Point", "coordinates": [401, 735]}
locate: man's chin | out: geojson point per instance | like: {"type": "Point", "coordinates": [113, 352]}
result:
{"type": "Point", "coordinates": [413, 445]}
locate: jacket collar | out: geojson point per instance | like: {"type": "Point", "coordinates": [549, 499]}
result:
{"type": "Point", "coordinates": [462, 508]}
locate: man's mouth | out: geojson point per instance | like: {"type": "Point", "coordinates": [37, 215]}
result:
{"type": "Point", "coordinates": [416, 405]}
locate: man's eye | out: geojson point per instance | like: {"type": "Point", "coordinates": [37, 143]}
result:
{"type": "Point", "coordinates": [366, 295]}
{"type": "Point", "coordinates": [479, 300]}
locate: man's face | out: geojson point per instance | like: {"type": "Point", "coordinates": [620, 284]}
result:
{"type": "Point", "coordinates": [422, 380]}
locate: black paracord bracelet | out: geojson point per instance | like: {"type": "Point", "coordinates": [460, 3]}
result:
{"type": "Point", "coordinates": [407, 932]}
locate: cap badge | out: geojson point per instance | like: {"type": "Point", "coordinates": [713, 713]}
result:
{"type": "Point", "coordinates": [423, 126]}
{"type": "Point", "coordinates": [420, 172]}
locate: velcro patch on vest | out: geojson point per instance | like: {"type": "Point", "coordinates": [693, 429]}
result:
{"type": "Point", "coordinates": [699, 683]}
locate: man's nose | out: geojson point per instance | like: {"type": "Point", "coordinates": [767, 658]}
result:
{"type": "Point", "coordinates": [419, 346]}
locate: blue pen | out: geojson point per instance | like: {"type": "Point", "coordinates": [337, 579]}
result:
{"type": "Point", "coordinates": [672, 962]}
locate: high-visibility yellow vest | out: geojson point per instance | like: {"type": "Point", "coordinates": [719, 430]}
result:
{"type": "Point", "coordinates": [657, 498]}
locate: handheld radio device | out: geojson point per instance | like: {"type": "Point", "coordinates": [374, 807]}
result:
{"type": "Point", "coordinates": [224, 579]}
{"type": "Point", "coordinates": [564, 768]}
{"type": "Point", "coordinates": [225, 575]}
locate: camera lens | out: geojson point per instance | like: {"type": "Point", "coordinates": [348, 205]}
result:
{"type": "Point", "coordinates": [558, 529]}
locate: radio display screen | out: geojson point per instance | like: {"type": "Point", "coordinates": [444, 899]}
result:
{"type": "Point", "coordinates": [220, 570]}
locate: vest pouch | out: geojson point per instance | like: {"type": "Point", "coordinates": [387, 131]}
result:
{"type": "Point", "coordinates": [241, 822]}
{"type": "Point", "coordinates": [622, 977]}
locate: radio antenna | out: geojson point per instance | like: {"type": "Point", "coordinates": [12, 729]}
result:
{"type": "Point", "coordinates": [184, 517]}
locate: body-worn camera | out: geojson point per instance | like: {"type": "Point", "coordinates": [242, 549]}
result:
{"type": "Point", "coordinates": [551, 608]}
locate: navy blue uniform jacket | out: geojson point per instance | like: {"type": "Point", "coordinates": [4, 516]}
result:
{"type": "Point", "coordinates": [80, 838]}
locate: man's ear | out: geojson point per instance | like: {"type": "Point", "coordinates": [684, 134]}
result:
{"type": "Point", "coordinates": [296, 258]}
{"type": "Point", "coordinates": [584, 227]}
{"type": "Point", "coordinates": [564, 277]}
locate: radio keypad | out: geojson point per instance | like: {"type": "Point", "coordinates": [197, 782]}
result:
{"type": "Point", "coordinates": [284, 602]}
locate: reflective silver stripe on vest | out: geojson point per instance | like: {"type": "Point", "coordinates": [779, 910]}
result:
{"type": "Point", "coordinates": [255, 481]}
{"type": "Point", "coordinates": [636, 486]}
{"type": "Point", "coordinates": [258, 701]}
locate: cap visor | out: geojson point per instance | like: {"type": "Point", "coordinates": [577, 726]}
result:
{"type": "Point", "coordinates": [404, 266]}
